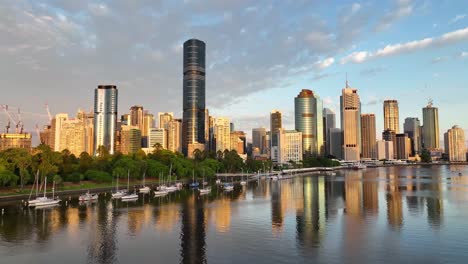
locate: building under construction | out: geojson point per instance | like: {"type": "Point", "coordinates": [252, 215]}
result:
{"type": "Point", "coordinates": [15, 140]}
{"type": "Point", "coordinates": [18, 139]}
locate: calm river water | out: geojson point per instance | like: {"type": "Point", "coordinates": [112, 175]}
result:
{"type": "Point", "coordinates": [385, 215]}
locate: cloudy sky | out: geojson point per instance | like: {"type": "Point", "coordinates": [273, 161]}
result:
{"type": "Point", "coordinates": [259, 55]}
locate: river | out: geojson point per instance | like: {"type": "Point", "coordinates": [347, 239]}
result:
{"type": "Point", "coordinates": [413, 214]}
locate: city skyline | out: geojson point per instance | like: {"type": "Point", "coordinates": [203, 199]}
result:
{"type": "Point", "coordinates": [440, 65]}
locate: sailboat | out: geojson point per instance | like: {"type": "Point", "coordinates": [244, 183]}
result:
{"type": "Point", "coordinates": [144, 189]}
{"type": "Point", "coordinates": [38, 199]}
{"type": "Point", "coordinates": [205, 190]}
{"type": "Point", "coordinates": [88, 197]}
{"type": "Point", "coordinates": [129, 196]}
{"type": "Point", "coordinates": [228, 187]}
{"type": "Point", "coordinates": [173, 187]}
{"type": "Point", "coordinates": [118, 194]}
{"type": "Point", "coordinates": [242, 180]}
{"type": "Point", "coordinates": [194, 183]}
{"type": "Point", "coordinates": [162, 186]}
{"type": "Point", "coordinates": [48, 201]}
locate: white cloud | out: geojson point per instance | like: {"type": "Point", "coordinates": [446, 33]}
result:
{"type": "Point", "coordinates": [400, 48]}
{"type": "Point", "coordinates": [457, 18]}
{"type": "Point", "coordinates": [464, 54]}
{"type": "Point", "coordinates": [403, 8]}
{"type": "Point", "coordinates": [325, 63]}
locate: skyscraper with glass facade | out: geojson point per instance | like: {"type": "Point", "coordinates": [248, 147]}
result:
{"type": "Point", "coordinates": [105, 117]}
{"type": "Point", "coordinates": [309, 120]}
{"type": "Point", "coordinates": [193, 124]}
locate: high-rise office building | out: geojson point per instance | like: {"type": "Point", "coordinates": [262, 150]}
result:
{"type": "Point", "coordinates": [194, 115]}
{"type": "Point", "coordinates": [455, 146]}
{"type": "Point", "coordinates": [164, 118]}
{"type": "Point", "coordinates": [403, 144]}
{"type": "Point", "coordinates": [258, 139]}
{"type": "Point", "coordinates": [351, 123]}
{"type": "Point", "coordinates": [238, 142]}
{"type": "Point", "coordinates": [148, 123]}
{"type": "Point", "coordinates": [336, 143]}
{"type": "Point", "coordinates": [368, 136]}
{"type": "Point", "coordinates": [309, 120]}
{"type": "Point", "coordinates": [222, 134]}
{"type": "Point", "coordinates": [130, 139]}
{"type": "Point", "coordinates": [276, 122]}
{"type": "Point", "coordinates": [72, 136]}
{"type": "Point", "coordinates": [158, 137]}
{"type": "Point", "coordinates": [56, 125]}
{"type": "Point", "coordinates": [105, 117]}
{"type": "Point", "coordinates": [390, 136]}
{"type": "Point", "coordinates": [88, 121]}
{"type": "Point", "coordinates": [412, 128]}
{"type": "Point", "coordinates": [137, 116]}
{"type": "Point", "coordinates": [391, 115]}
{"type": "Point", "coordinates": [430, 127]}
{"type": "Point", "coordinates": [384, 150]}
{"type": "Point", "coordinates": [174, 135]}
{"type": "Point", "coordinates": [329, 122]}
{"type": "Point", "coordinates": [289, 147]}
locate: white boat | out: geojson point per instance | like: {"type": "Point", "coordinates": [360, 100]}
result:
{"type": "Point", "coordinates": [132, 196]}
{"type": "Point", "coordinates": [144, 189]}
{"type": "Point", "coordinates": [48, 201]}
{"type": "Point", "coordinates": [274, 178]}
{"type": "Point", "coordinates": [129, 196]}
{"type": "Point", "coordinates": [88, 197]}
{"type": "Point", "coordinates": [172, 188]}
{"type": "Point", "coordinates": [118, 194]}
{"type": "Point", "coordinates": [160, 193]}
{"type": "Point", "coordinates": [242, 180]}
{"type": "Point", "coordinates": [218, 181]}
{"type": "Point", "coordinates": [38, 199]}
{"type": "Point", "coordinates": [205, 191]}
{"type": "Point", "coordinates": [228, 187]}
{"type": "Point", "coordinates": [32, 203]}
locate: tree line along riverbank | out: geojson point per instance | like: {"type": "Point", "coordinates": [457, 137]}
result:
{"type": "Point", "coordinates": [19, 167]}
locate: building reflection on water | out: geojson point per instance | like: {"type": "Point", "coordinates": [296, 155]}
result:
{"type": "Point", "coordinates": [312, 206]}
{"type": "Point", "coordinates": [192, 236]}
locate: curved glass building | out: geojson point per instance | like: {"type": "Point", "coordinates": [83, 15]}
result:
{"type": "Point", "coordinates": [193, 124]}
{"type": "Point", "coordinates": [308, 120]}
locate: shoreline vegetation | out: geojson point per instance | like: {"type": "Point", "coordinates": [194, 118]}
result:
{"type": "Point", "coordinates": [20, 167]}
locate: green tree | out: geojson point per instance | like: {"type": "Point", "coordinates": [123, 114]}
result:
{"type": "Point", "coordinates": [20, 160]}
{"type": "Point", "coordinates": [426, 156]}
{"type": "Point", "coordinates": [7, 177]}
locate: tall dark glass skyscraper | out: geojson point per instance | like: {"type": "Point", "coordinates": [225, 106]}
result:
{"type": "Point", "coordinates": [193, 124]}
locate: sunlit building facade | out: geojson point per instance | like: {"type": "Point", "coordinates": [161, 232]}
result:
{"type": "Point", "coordinates": [368, 136]}
{"type": "Point", "coordinates": [391, 115]}
{"type": "Point", "coordinates": [430, 127]}
{"type": "Point", "coordinates": [309, 120]}
{"type": "Point", "coordinates": [351, 123]}
{"type": "Point", "coordinates": [455, 146]}
{"type": "Point", "coordinates": [222, 134]}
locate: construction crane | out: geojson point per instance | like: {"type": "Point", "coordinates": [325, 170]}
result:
{"type": "Point", "coordinates": [48, 112]}
{"type": "Point", "coordinates": [19, 125]}
{"type": "Point", "coordinates": [10, 119]}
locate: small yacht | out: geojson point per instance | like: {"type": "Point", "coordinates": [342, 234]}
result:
{"type": "Point", "coordinates": [88, 197]}
{"type": "Point", "coordinates": [144, 189]}
{"type": "Point", "coordinates": [160, 193]}
{"type": "Point", "coordinates": [48, 201]}
{"type": "Point", "coordinates": [205, 191]}
{"type": "Point", "coordinates": [228, 187]}
{"type": "Point", "coordinates": [243, 182]}
{"type": "Point", "coordinates": [117, 194]}
{"type": "Point", "coordinates": [129, 196]}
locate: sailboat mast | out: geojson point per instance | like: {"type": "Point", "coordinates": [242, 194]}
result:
{"type": "Point", "coordinates": [128, 180]}
{"type": "Point", "coordinates": [45, 186]}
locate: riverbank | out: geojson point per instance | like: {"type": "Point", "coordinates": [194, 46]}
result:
{"type": "Point", "coordinates": [10, 194]}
